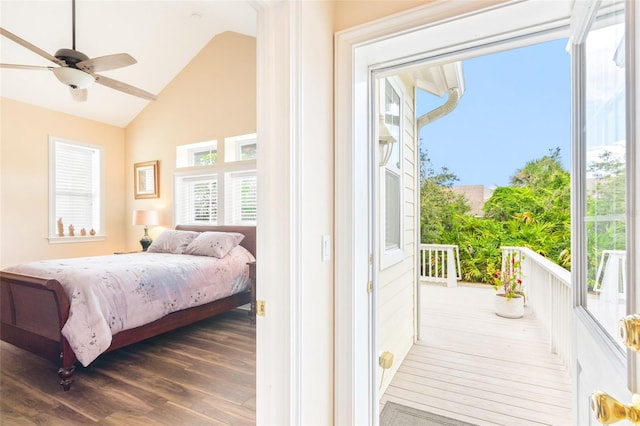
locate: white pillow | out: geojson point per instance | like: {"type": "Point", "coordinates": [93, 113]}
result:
{"type": "Point", "coordinates": [215, 244]}
{"type": "Point", "coordinates": [171, 241]}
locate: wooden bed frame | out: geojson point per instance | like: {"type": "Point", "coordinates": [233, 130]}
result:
{"type": "Point", "coordinates": [34, 310]}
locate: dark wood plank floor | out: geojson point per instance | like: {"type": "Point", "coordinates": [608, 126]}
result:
{"type": "Point", "coordinates": [203, 374]}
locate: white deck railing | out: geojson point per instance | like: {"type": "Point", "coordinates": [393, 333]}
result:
{"type": "Point", "coordinates": [547, 288]}
{"type": "Point", "coordinates": [440, 263]}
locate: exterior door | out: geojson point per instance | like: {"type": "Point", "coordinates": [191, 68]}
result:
{"type": "Point", "coordinates": [605, 216]}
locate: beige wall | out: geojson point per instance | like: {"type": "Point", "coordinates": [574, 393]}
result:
{"type": "Point", "coordinates": [349, 13]}
{"type": "Point", "coordinates": [213, 97]}
{"type": "Point", "coordinates": [24, 186]}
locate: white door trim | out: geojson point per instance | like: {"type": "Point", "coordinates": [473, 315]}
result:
{"type": "Point", "coordinates": [358, 51]}
{"type": "Point", "coordinates": [633, 88]}
{"type": "Point", "coordinates": [279, 128]}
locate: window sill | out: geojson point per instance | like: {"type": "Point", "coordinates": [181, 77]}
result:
{"type": "Point", "coordinates": [77, 239]}
{"type": "Point", "coordinates": [391, 257]}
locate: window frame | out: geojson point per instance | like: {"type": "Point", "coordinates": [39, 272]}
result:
{"type": "Point", "coordinates": [100, 188]}
{"type": "Point", "coordinates": [390, 256]}
{"type": "Point", "coordinates": [231, 204]}
{"type": "Point", "coordinates": [220, 170]}
{"type": "Point", "coordinates": [199, 176]}
{"type": "Point", "coordinates": [185, 154]}
{"type": "Point", "coordinates": [233, 146]}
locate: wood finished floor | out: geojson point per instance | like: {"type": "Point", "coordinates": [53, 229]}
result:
{"type": "Point", "coordinates": [203, 374]}
{"type": "Point", "coordinates": [474, 366]}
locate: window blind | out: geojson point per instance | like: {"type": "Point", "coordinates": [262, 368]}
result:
{"type": "Point", "coordinates": [196, 199]}
{"type": "Point", "coordinates": [241, 197]}
{"type": "Point", "coordinates": [77, 186]}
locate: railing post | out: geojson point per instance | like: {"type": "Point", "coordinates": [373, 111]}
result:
{"type": "Point", "coordinates": [440, 263]}
{"type": "Point", "coordinates": [452, 276]}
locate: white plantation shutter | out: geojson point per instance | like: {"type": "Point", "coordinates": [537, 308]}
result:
{"type": "Point", "coordinates": [241, 198]}
{"type": "Point", "coordinates": [222, 192]}
{"type": "Point", "coordinates": [196, 199]}
{"type": "Point", "coordinates": [76, 187]}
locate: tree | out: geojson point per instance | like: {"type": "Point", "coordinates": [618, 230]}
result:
{"type": "Point", "coordinates": [533, 211]}
{"type": "Point", "coordinates": [543, 173]}
{"type": "Point", "coordinates": [535, 208]}
{"type": "Point", "coordinates": [439, 205]}
{"type": "Point", "coordinates": [508, 201]}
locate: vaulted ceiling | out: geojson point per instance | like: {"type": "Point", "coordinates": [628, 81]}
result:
{"type": "Point", "coordinates": [163, 36]}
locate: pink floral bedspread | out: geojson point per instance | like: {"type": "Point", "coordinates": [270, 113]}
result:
{"type": "Point", "coordinates": [112, 293]}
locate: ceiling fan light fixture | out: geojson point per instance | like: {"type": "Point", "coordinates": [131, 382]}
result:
{"type": "Point", "coordinates": [73, 77]}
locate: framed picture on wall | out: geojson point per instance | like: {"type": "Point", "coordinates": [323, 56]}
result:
{"type": "Point", "coordinates": [145, 180]}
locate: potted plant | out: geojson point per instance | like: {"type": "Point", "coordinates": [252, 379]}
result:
{"type": "Point", "coordinates": [509, 301]}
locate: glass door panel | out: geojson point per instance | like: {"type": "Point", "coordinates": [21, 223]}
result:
{"type": "Point", "coordinates": [605, 167]}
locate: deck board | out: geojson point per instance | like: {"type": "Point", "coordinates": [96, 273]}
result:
{"type": "Point", "coordinates": [477, 367]}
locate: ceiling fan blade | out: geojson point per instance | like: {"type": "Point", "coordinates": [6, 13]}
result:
{"type": "Point", "coordinates": [26, 67]}
{"type": "Point", "coordinates": [78, 95]}
{"type": "Point", "coordinates": [31, 47]}
{"type": "Point", "coordinates": [106, 63]}
{"type": "Point", "coordinates": [124, 87]}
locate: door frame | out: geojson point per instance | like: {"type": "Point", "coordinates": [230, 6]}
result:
{"type": "Point", "coordinates": [394, 40]}
{"type": "Point", "coordinates": [598, 360]}
{"type": "Point", "coordinates": [633, 87]}
{"type": "Point", "coordinates": [278, 335]}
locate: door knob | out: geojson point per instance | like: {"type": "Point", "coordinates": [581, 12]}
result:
{"type": "Point", "coordinates": [608, 410]}
{"type": "Point", "coordinates": [629, 328]}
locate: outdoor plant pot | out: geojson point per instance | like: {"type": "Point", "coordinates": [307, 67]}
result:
{"type": "Point", "coordinates": [509, 308]}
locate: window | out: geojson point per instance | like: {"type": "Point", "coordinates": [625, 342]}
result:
{"type": "Point", "coordinates": [197, 154]}
{"type": "Point", "coordinates": [241, 195]}
{"type": "Point", "coordinates": [221, 192]}
{"type": "Point", "coordinates": [239, 148]}
{"type": "Point", "coordinates": [390, 105]}
{"type": "Point", "coordinates": [197, 199]}
{"type": "Point", "coordinates": [605, 170]}
{"type": "Point", "coordinates": [75, 190]}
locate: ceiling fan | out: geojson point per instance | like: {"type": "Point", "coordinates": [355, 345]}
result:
{"type": "Point", "coordinates": [77, 70]}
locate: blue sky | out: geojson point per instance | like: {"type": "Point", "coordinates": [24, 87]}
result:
{"type": "Point", "coordinates": [516, 107]}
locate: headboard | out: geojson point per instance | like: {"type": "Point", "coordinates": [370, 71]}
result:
{"type": "Point", "coordinates": [248, 242]}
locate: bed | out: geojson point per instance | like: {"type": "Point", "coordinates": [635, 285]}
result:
{"type": "Point", "coordinates": [35, 310]}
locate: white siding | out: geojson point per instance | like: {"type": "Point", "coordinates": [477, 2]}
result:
{"type": "Point", "coordinates": [396, 284]}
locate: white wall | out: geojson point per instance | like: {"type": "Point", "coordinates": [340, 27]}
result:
{"type": "Point", "coordinates": [295, 185]}
{"type": "Point", "coordinates": [397, 283]}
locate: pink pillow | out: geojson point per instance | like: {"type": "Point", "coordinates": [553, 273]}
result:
{"type": "Point", "coordinates": [171, 241]}
{"type": "Point", "coordinates": [215, 244]}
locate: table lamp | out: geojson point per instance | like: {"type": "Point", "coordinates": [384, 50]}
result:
{"type": "Point", "coordinates": [146, 218]}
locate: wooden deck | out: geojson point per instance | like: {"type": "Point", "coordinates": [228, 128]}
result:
{"type": "Point", "coordinates": [477, 367]}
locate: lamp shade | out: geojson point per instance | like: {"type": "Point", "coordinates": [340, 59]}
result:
{"type": "Point", "coordinates": [146, 217]}
{"type": "Point", "coordinates": [74, 77]}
